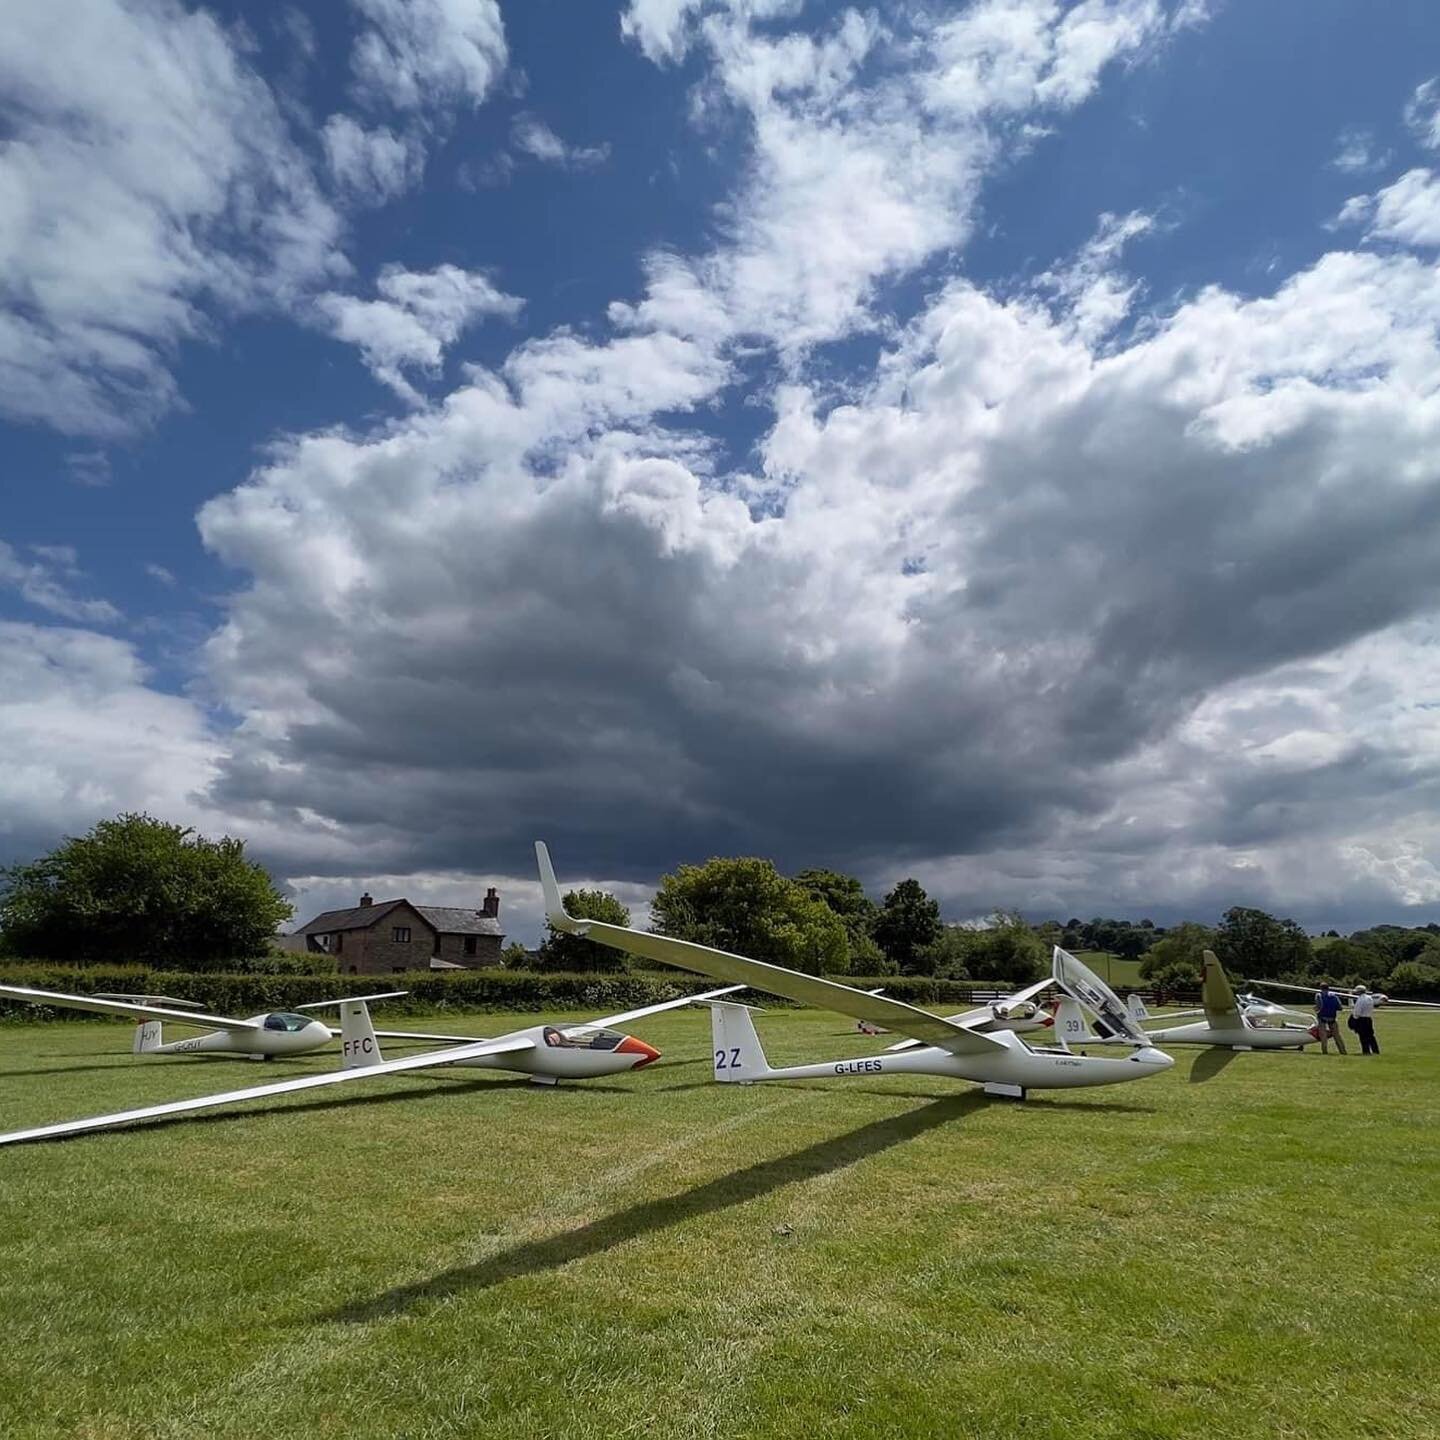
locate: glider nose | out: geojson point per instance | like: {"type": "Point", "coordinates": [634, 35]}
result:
{"type": "Point", "coordinates": [631, 1046]}
{"type": "Point", "coordinates": [1154, 1059]}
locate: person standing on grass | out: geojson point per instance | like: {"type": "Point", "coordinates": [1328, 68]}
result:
{"type": "Point", "coordinates": [1327, 1018]}
{"type": "Point", "coordinates": [1362, 1015]}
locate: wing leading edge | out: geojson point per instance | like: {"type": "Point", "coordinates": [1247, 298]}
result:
{"type": "Point", "coordinates": [792, 984]}
{"type": "Point", "coordinates": [260, 1092]}
{"type": "Point", "coordinates": [120, 1007]}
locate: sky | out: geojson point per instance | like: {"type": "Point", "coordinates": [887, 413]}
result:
{"type": "Point", "coordinates": [997, 443]}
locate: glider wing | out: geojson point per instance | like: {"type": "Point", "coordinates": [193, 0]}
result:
{"type": "Point", "coordinates": [120, 1007]}
{"type": "Point", "coordinates": [625, 1016]}
{"type": "Point", "coordinates": [807, 989]}
{"type": "Point", "coordinates": [260, 1092]}
{"type": "Point", "coordinates": [1221, 1008]}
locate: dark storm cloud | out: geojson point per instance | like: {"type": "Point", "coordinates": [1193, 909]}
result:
{"type": "Point", "coordinates": [638, 669]}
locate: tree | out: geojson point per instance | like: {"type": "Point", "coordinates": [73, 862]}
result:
{"type": "Point", "coordinates": [560, 951]}
{"type": "Point", "coordinates": [515, 957]}
{"type": "Point", "coordinates": [1254, 945]}
{"type": "Point", "coordinates": [947, 956]}
{"type": "Point", "coordinates": [1007, 951]}
{"type": "Point", "coordinates": [1347, 962]}
{"type": "Point", "coordinates": [845, 897]}
{"type": "Point", "coordinates": [1415, 979]}
{"type": "Point", "coordinates": [908, 921]}
{"type": "Point", "coordinates": [1394, 942]}
{"type": "Point", "coordinates": [1174, 962]}
{"type": "Point", "coordinates": [745, 905]}
{"type": "Point", "coordinates": [137, 888]}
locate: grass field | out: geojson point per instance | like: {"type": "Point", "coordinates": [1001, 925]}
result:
{"type": "Point", "coordinates": [1115, 970]}
{"type": "Point", "coordinates": [1246, 1246]}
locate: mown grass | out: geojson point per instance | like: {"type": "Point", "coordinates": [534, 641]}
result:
{"type": "Point", "coordinates": [1115, 970]}
{"type": "Point", "coordinates": [1243, 1247]}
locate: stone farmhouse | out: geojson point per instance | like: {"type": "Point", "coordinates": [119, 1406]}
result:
{"type": "Point", "coordinates": [392, 936]}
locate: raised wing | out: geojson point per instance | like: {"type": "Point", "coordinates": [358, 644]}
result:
{"type": "Point", "coordinates": [625, 1016]}
{"type": "Point", "coordinates": [807, 989]}
{"type": "Point", "coordinates": [121, 1007]}
{"type": "Point", "coordinates": [1221, 1008]}
{"type": "Point", "coordinates": [259, 1092]}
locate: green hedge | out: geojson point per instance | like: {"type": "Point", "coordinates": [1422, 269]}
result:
{"type": "Point", "coordinates": [455, 990]}
{"type": "Point", "coordinates": [230, 993]}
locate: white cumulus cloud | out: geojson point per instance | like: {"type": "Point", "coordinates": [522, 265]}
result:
{"type": "Point", "coordinates": [414, 54]}
{"type": "Point", "coordinates": [418, 316]}
{"type": "Point", "coordinates": [147, 182]}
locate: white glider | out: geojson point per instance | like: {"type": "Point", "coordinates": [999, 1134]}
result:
{"type": "Point", "coordinates": [1229, 1023]}
{"type": "Point", "coordinates": [546, 1053]}
{"type": "Point", "coordinates": [261, 1037]}
{"type": "Point", "coordinates": [1001, 1061]}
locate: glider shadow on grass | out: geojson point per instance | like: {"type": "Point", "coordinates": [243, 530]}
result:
{"type": "Point", "coordinates": [651, 1216]}
{"type": "Point", "coordinates": [1209, 1063]}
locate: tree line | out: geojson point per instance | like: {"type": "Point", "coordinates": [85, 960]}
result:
{"type": "Point", "coordinates": [138, 889]}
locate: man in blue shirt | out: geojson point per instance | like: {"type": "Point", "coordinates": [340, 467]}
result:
{"type": "Point", "coordinates": [1327, 1019]}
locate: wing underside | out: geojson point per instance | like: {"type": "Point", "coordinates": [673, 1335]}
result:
{"type": "Point", "coordinates": [1222, 1010]}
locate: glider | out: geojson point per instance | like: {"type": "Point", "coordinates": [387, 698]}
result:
{"type": "Point", "coordinates": [1230, 1022]}
{"type": "Point", "coordinates": [261, 1037]}
{"type": "Point", "coordinates": [1000, 1061]}
{"type": "Point", "coordinates": [546, 1053]}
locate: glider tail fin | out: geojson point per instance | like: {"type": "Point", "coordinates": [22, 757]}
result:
{"type": "Point", "coordinates": [358, 1045]}
{"type": "Point", "coordinates": [1071, 1026]}
{"type": "Point", "coordinates": [147, 1037]}
{"type": "Point", "coordinates": [1136, 1006]}
{"type": "Point", "coordinates": [738, 1055]}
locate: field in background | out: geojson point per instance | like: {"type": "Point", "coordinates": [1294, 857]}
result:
{"type": "Point", "coordinates": [1244, 1247]}
{"type": "Point", "coordinates": [1115, 970]}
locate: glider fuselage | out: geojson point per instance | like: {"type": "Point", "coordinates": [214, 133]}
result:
{"type": "Point", "coordinates": [1237, 1037]}
{"type": "Point", "coordinates": [1016, 1067]}
{"type": "Point", "coordinates": [289, 1035]}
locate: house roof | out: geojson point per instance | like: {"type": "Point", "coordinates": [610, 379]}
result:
{"type": "Point", "coordinates": [447, 919]}
{"type": "Point", "coordinates": [453, 920]}
{"type": "Point", "coordinates": [358, 917]}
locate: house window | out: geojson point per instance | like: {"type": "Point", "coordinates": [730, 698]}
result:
{"type": "Point", "coordinates": [401, 934]}
{"type": "Point", "coordinates": [339, 941]}
{"type": "Point", "coordinates": [354, 970]}
{"type": "Point", "coordinates": [469, 944]}
{"type": "Point", "coordinates": [397, 969]}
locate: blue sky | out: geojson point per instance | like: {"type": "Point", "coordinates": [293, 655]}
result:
{"type": "Point", "coordinates": [936, 440]}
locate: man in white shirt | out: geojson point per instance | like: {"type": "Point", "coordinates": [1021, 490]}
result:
{"type": "Point", "coordinates": [1362, 1018]}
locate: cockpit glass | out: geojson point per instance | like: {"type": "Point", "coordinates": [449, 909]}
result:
{"type": "Point", "coordinates": [582, 1037]}
{"type": "Point", "coordinates": [290, 1023]}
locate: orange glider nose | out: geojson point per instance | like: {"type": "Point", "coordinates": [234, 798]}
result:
{"type": "Point", "coordinates": [631, 1046]}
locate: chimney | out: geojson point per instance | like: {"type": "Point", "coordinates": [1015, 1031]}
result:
{"type": "Point", "coordinates": [366, 900]}
{"type": "Point", "coordinates": [491, 907]}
